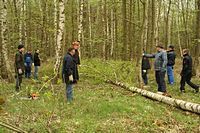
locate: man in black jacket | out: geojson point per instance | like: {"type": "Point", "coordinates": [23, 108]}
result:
{"type": "Point", "coordinates": [171, 56]}
{"type": "Point", "coordinates": [36, 59]}
{"type": "Point", "coordinates": [19, 66]}
{"type": "Point", "coordinates": [76, 58]}
{"type": "Point", "coordinates": [186, 73]}
{"type": "Point", "coordinates": [68, 71]}
{"type": "Point", "coordinates": [145, 67]}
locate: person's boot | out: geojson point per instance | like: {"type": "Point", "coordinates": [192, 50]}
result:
{"type": "Point", "coordinates": [197, 90]}
{"type": "Point", "coordinates": [182, 91]}
{"type": "Point", "coordinates": [17, 88]}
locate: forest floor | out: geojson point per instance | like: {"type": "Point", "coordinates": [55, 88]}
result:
{"type": "Point", "coordinates": [97, 106]}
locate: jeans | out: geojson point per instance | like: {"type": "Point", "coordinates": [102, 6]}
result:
{"type": "Point", "coordinates": [144, 77]}
{"type": "Point", "coordinates": [187, 78]}
{"type": "Point", "coordinates": [160, 79]}
{"type": "Point", "coordinates": [69, 92]}
{"type": "Point", "coordinates": [28, 70]}
{"type": "Point", "coordinates": [170, 74]}
{"type": "Point", "coordinates": [36, 72]}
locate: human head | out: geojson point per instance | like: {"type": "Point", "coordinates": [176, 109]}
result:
{"type": "Point", "coordinates": [71, 51]}
{"type": "Point", "coordinates": [159, 47]}
{"type": "Point", "coordinates": [185, 51]}
{"type": "Point", "coordinates": [37, 51]}
{"type": "Point", "coordinates": [171, 47]}
{"type": "Point", "coordinates": [21, 47]}
{"type": "Point", "coordinates": [76, 44]}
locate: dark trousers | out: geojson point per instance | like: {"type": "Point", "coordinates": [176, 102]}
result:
{"type": "Point", "coordinates": [187, 78]}
{"type": "Point", "coordinates": [160, 79]}
{"type": "Point", "coordinates": [28, 70]}
{"type": "Point", "coordinates": [18, 81]}
{"type": "Point", "coordinates": [144, 77]}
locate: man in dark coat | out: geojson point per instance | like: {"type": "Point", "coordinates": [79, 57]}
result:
{"type": "Point", "coordinates": [76, 58]}
{"type": "Point", "coordinates": [68, 70]}
{"type": "Point", "coordinates": [171, 56]}
{"type": "Point", "coordinates": [145, 67]}
{"type": "Point", "coordinates": [160, 66]}
{"type": "Point", "coordinates": [28, 60]}
{"type": "Point", "coordinates": [36, 59]}
{"type": "Point", "coordinates": [19, 66]}
{"type": "Point", "coordinates": [186, 73]}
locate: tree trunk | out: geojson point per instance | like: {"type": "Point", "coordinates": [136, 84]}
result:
{"type": "Point", "coordinates": [4, 41]}
{"type": "Point", "coordinates": [188, 106]}
{"type": "Point", "coordinates": [197, 41]}
{"type": "Point", "coordinates": [143, 41]}
{"type": "Point", "coordinates": [60, 31]}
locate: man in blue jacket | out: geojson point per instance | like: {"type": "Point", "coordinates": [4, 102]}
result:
{"type": "Point", "coordinates": [160, 66]}
{"type": "Point", "coordinates": [68, 71]}
{"type": "Point", "coordinates": [28, 60]}
{"type": "Point", "coordinates": [171, 56]}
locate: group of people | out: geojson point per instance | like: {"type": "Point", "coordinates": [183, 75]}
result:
{"type": "Point", "coordinates": [23, 65]}
{"type": "Point", "coordinates": [164, 62]}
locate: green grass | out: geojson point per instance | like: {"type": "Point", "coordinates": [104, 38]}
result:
{"type": "Point", "coordinates": [97, 106]}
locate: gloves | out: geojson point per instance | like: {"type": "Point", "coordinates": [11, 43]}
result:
{"type": "Point", "coordinates": [20, 71]}
{"type": "Point", "coordinates": [71, 78]}
{"type": "Point", "coordinates": [144, 71]}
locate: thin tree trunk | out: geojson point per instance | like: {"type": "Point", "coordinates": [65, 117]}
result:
{"type": "Point", "coordinates": [61, 25]}
{"type": "Point", "coordinates": [188, 106]}
{"type": "Point", "coordinates": [4, 40]}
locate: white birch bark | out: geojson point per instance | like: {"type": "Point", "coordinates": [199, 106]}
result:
{"type": "Point", "coordinates": [184, 105]}
{"type": "Point", "coordinates": [60, 31]}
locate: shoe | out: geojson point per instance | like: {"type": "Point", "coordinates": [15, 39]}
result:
{"type": "Point", "coordinates": [182, 91]}
{"type": "Point", "coordinates": [160, 93]}
{"type": "Point", "coordinates": [197, 90]}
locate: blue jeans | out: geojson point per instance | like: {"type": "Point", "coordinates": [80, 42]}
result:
{"type": "Point", "coordinates": [36, 72]}
{"type": "Point", "coordinates": [69, 92]}
{"type": "Point", "coordinates": [28, 69]}
{"type": "Point", "coordinates": [170, 74]}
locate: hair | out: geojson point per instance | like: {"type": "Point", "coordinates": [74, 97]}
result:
{"type": "Point", "coordinates": [70, 49]}
{"type": "Point", "coordinates": [171, 46]}
{"type": "Point", "coordinates": [186, 51]}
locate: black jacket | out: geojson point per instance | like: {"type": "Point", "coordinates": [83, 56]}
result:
{"type": "Point", "coordinates": [145, 64]}
{"type": "Point", "coordinates": [36, 59]}
{"type": "Point", "coordinates": [171, 56]}
{"type": "Point", "coordinates": [68, 68]}
{"type": "Point", "coordinates": [187, 64]}
{"type": "Point", "coordinates": [76, 59]}
{"type": "Point", "coordinates": [19, 62]}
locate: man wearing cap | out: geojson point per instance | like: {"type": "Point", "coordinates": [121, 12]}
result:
{"type": "Point", "coordinates": [160, 66]}
{"type": "Point", "coordinates": [19, 66]}
{"type": "Point", "coordinates": [171, 56]}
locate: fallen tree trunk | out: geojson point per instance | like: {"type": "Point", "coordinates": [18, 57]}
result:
{"type": "Point", "coordinates": [184, 105]}
{"type": "Point", "coordinates": [12, 127]}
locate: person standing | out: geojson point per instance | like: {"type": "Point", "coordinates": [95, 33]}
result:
{"type": "Point", "coordinates": [160, 66]}
{"type": "Point", "coordinates": [36, 59]}
{"type": "Point", "coordinates": [186, 73]}
{"type": "Point", "coordinates": [68, 70]}
{"type": "Point", "coordinates": [28, 60]}
{"type": "Point", "coordinates": [19, 66]}
{"type": "Point", "coordinates": [171, 56]}
{"type": "Point", "coordinates": [145, 67]}
{"type": "Point", "coordinates": [76, 58]}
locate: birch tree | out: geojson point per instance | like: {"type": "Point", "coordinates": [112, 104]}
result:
{"type": "Point", "coordinates": [4, 40]}
{"type": "Point", "coordinates": [60, 31]}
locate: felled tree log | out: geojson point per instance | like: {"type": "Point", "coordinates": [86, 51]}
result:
{"type": "Point", "coordinates": [184, 105]}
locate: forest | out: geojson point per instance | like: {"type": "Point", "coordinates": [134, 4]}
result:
{"type": "Point", "coordinates": [110, 96]}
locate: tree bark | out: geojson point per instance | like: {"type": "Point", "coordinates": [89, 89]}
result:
{"type": "Point", "coordinates": [184, 105]}
{"type": "Point", "coordinates": [4, 41]}
{"type": "Point", "coordinates": [61, 25]}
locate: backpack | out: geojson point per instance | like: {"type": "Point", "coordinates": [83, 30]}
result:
{"type": "Point", "coordinates": [28, 59]}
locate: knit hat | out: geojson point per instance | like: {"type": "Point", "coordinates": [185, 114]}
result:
{"type": "Point", "coordinates": [20, 46]}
